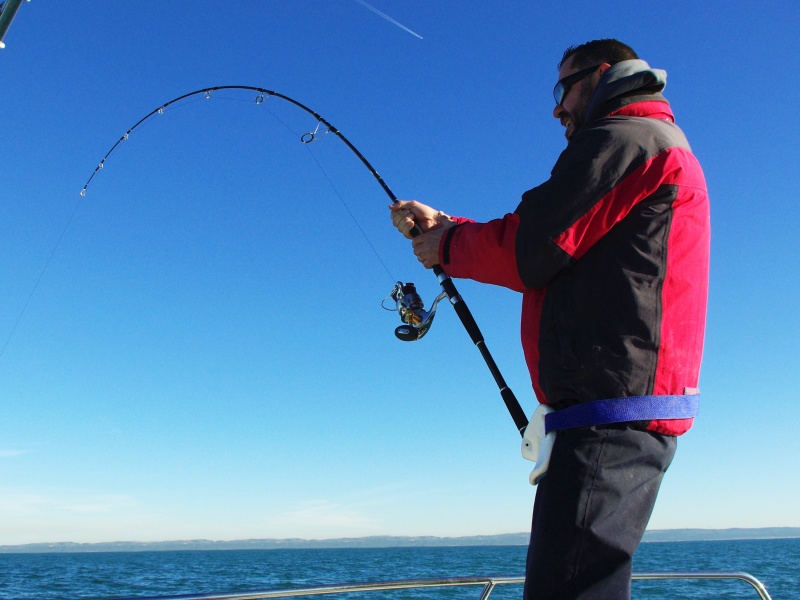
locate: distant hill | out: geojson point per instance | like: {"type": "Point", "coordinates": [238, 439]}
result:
{"type": "Point", "coordinates": [508, 539]}
{"type": "Point", "coordinates": [696, 535]}
{"type": "Point", "coordinates": [511, 539]}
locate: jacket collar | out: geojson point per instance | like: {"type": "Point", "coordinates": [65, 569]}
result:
{"type": "Point", "coordinates": [626, 83]}
{"type": "Point", "coordinates": [648, 106]}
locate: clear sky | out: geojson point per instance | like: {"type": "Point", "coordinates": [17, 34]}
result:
{"type": "Point", "coordinates": [204, 354]}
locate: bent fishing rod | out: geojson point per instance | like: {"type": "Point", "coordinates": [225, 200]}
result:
{"type": "Point", "coordinates": [416, 319]}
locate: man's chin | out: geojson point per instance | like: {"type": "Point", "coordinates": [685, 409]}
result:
{"type": "Point", "coordinates": [570, 131]}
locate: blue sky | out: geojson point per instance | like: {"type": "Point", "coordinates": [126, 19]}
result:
{"type": "Point", "coordinates": [205, 356]}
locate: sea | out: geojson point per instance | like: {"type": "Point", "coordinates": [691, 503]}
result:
{"type": "Point", "coordinates": [104, 575]}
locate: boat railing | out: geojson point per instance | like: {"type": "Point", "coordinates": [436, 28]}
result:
{"type": "Point", "coordinates": [488, 584]}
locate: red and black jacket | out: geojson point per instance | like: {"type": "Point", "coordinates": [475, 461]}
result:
{"type": "Point", "coordinates": [611, 255]}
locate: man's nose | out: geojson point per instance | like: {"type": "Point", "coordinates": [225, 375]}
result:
{"type": "Point", "coordinates": [558, 111]}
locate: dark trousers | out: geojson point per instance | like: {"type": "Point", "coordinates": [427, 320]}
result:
{"type": "Point", "coordinates": [591, 511]}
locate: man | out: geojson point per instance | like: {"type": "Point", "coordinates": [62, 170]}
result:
{"type": "Point", "coordinates": [611, 257]}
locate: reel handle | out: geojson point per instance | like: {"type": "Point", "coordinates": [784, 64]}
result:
{"type": "Point", "coordinates": [406, 333]}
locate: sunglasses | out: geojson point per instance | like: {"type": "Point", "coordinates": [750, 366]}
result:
{"type": "Point", "coordinates": [562, 87]}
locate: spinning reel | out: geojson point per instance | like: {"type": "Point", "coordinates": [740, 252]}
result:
{"type": "Point", "coordinates": [412, 311]}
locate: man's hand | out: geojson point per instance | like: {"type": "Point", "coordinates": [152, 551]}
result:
{"type": "Point", "coordinates": [433, 223]}
{"type": "Point", "coordinates": [407, 213]}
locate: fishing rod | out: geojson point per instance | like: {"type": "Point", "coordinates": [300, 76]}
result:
{"type": "Point", "coordinates": [416, 320]}
{"type": "Point", "coordinates": [8, 10]}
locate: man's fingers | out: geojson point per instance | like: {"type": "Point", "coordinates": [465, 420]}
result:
{"type": "Point", "coordinates": [403, 220]}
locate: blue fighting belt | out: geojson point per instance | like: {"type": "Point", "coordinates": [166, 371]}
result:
{"type": "Point", "coordinates": [622, 410]}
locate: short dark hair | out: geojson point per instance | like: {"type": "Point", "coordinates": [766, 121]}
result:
{"type": "Point", "coordinates": [596, 52]}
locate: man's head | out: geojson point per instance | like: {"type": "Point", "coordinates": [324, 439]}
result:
{"type": "Point", "coordinates": [579, 71]}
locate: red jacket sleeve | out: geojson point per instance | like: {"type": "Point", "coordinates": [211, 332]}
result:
{"type": "Point", "coordinates": [484, 252]}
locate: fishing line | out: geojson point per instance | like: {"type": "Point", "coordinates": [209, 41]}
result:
{"type": "Point", "coordinates": [347, 208]}
{"type": "Point", "coordinates": [330, 182]}
{"type": "Point", "coordinates": [41, 275]}
{"type": "Point", "coordinates": [61, 238]}
{"type": "Point", "coordinates": [305, 138]}
{"type": "Point", "coordinates": [417, 320]}
{"type": "Point", "coordinates": [176, 105]}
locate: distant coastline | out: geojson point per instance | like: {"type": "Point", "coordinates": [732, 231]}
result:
{"type": "Point", "coordinates": [508, 539]}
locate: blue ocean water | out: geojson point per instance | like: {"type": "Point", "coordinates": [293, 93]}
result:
{"type": "Point", "coordinates": [51, 576]}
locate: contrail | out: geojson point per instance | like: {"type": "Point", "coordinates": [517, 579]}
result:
{"type": "Point", "coordinates": [388, 18]}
